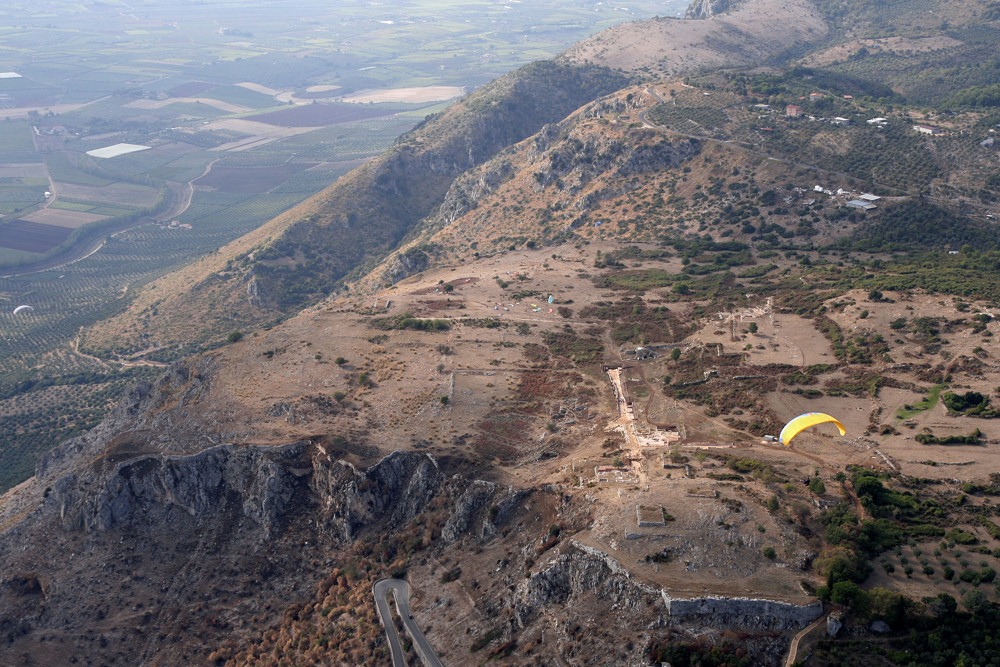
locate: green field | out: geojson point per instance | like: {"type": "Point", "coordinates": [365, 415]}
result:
{"type": "Point", "coordinates": [15, 256]}
{"type": "Point", "coordinates": [62, 168]}
{"type": "Point", "coordinates": [72, 206]}
{"type": "Point", "coordinates": [15, 136]}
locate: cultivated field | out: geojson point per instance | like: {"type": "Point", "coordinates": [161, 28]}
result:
{"type": "Point", "coordinates": [125, 194]}
{"type": "Point", "coordinates": [318, 115]}
{"type": "Point", "coordinates": [411, 95]}
{"type": "Point", "coordinates": [62, 218]}
{"type": "Point", "coordinates": [32, 236]}
{"type": "Point", "coordinates": [159, 104]}
{"type": "Point", "coordinates": [256, 179]}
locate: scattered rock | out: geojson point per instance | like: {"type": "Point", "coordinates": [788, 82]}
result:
{"type": "Point", "coordinates": [834, 623]}
{"type": "Point", "coordinates": [880, 627]}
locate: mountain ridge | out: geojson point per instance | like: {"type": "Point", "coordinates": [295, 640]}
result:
{"type": "Point", "coordinates": [245, 287]}
{"type": "Point", "coordinates": [543, 396]}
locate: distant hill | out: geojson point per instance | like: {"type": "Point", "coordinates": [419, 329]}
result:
{"type": "Point", "coordinates": [749, 33]}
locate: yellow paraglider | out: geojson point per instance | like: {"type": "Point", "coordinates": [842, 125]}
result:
{"type": "Point", "coordinates": [802, 422]}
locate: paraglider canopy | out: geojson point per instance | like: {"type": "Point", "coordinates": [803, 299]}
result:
{"type": "Point", "coordinates": [802, 422]}
{"type": "Point", "coordinates": [21, 309]}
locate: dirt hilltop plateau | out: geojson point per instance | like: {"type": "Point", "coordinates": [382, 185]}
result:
{"type": "Point", "coordinates": [533, 359]}
{"type": "Point", "coordinates": [272, 463]}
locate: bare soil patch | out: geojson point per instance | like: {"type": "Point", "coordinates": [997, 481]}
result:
{"type": "Point", "coordinates": [32, 236]}
{"type": "Point", "coordinates": [257, 88]}
{"type": "Point", "coordinates": [62, 218]}
{"type": "Point", "coordinates": [260, 132]}
{"type": "Point", "coordinates": [898, 45]}
{"type": "Point", "coordinates": [454, 282]}
{"type": "Point", "coordinates": [421, 94]}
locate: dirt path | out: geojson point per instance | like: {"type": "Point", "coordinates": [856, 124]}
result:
{"type": "Point", "coordinates": [75, 346]}
{"type": "Point", "coordinates": [793, 648]}
{"type": "Point", "coordinates": [626, 419]}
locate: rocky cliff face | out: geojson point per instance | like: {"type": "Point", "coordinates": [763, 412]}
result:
{"type": "Point", "coordinates": [578, 572]}
{"type": "Point", "coordinates": [139, 412]}
{"type": "Point", "coordinates": [199, 544]}
{"type": "Point", "coordinates": [151, 541]}
{"type": "Point", "coordinates": [747, 613]}
{"type": "Point", "coordinates": [258, 483]}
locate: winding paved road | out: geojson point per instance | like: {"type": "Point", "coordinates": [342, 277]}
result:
{"type": "Point", "coordinates": [401, 594]}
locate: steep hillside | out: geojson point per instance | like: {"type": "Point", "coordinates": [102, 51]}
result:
{"type": "Point", "coordinates": [751, 180]}
{"type": "Point", "coordinates": [584, 309]}
{"type": "Point", "coordinates": [709, 158]}
{"type": "Point", "coordinates": [549, 478]}
{"type": "Point", "coordinates": [298, 258]}
{"type": "Point", "coordinates": [931, 52]}
{"type": "Point", "coordinates": [927, 52]}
